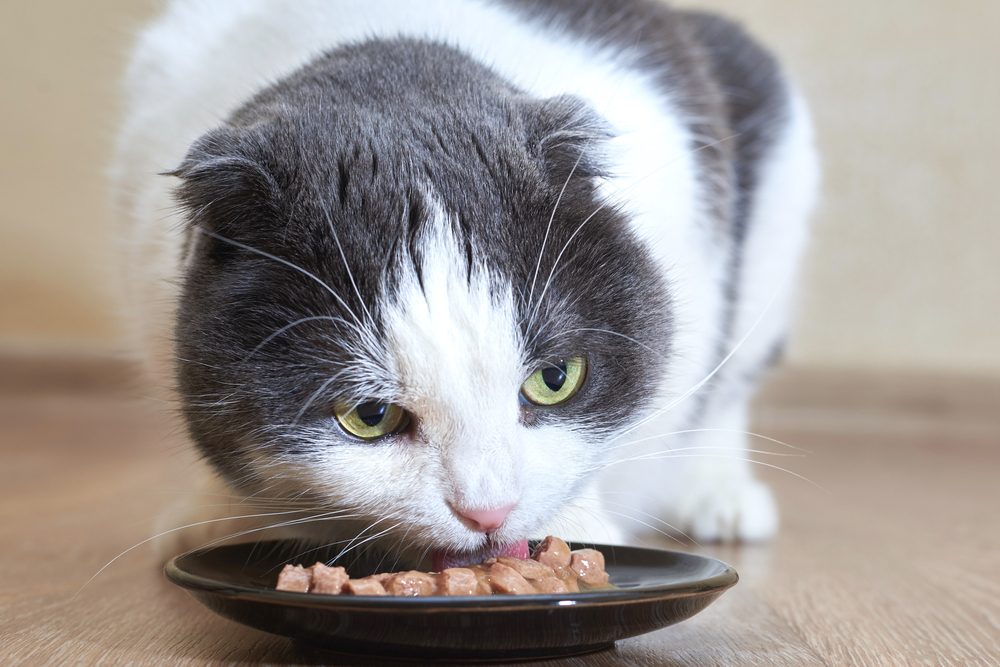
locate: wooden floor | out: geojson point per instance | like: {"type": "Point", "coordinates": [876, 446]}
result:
{"type": "Point", "coordinates": [895, 563]}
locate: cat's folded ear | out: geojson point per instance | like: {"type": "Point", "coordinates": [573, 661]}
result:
{"type": "Point", "coordinates": [567, 136]}
{"type": "Point", "coordinates": [226, 185]}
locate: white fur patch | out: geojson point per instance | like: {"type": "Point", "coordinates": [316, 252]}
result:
{"type": "Point", "coordinates": [454, 347]}
{"type": "Point", "coordinates": [454, 340]}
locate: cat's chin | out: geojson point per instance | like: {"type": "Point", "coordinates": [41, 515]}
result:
{"type": "Point", "coordinates": [444, 559]}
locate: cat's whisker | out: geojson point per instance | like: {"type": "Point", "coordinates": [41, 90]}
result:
{"type": "Point", "coordinates": [423, 553]}
{"type": "Point", "coordinates": [711, 430]}
{"type": "Point", "coordinates": [174, 530]}
{"type": "Point", "coordinates": [669, 455]}
{"type": "Point", "coordinates": [397, 547]}
{"type": "Point", "coordinates": [603, 501]}
{"type": "Point", "coordinates": [325, 516]}
{"type": "Point", "coordinates": [336, 542]}
{"type": "Point", "coordinates": [258, 505]}
{"type": "Point", "coordinates": [357, 536]}
{"type": "Point", "coordinates": [701, 383]}
{"type": "Point", "coordinates": [653, 517]}
{"type": "Point", "coordinates": [650, 526]}
{"type": "Point", "coordinates": [350, 547]}
{"type": "Point", "coordinates": [650, 456]}
{"type": "Point", "coordinates": [571, 524]}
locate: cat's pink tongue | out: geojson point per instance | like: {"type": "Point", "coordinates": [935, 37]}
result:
{"type": "Point", "coordinates": [445, 559]}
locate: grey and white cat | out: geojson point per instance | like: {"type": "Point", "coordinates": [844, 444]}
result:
{"type": "Point", "coordinates": [457, 273]}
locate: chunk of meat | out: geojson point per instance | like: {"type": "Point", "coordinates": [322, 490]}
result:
{"type": "Point", "coordinates": [550, 585]}
{"type": "Point", "coordinates": [504, 579]}
{"type": "Point", "coordinates": [529, 569]}
{"type": "Point", "coordinates": [588, 565]}
{"type": "Point", "coordinates": [568, 577]}
{"type": "Point", "coordinates": [482, 579]}
{"type": "Point", "coordinates": [327, 580]}
{"type": "Point", "coordinates": [553, 552]}
{"type": "Point", "coordinates": [457, 581]}
{"type": "Point", "coordinates": [411, 584]}
{"type": "Point", "coordinates": [366, 585]}
{"type": "Point", "coordinates": [294, 578]}
{"type": "Point", "coordinates": [552, 569]}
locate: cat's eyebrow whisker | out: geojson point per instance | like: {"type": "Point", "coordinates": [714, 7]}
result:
{"type": "Point", "coordinates": [312, 399]}
{"type": "Point", "coordinates": [347, 267]}
{"type": "Point", "coordinates": [548, 227]}
{"type": "Point", "coordinates": [292, 325]}
{"type": "Point", "coordinates": [606, 331]}
{"type": "Point", "coordinates": [712, 430]}
{"type": "Point", "coordinates": [609, 202]}
{"type": "Point", "coordinates": [291, 265]}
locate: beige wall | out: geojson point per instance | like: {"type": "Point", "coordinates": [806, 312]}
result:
{"type": "Point", "coordinates": [58, 65]}
{"type": "Point", "coordinates": [903, 271]}
{"type": "Point", "coordinates": [905, 266]}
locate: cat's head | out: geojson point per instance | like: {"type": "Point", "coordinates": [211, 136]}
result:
{"type": "Point", "coordinates": [405, 300]}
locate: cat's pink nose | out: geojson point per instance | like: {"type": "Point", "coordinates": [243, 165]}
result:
{"type": "Point", "coordinates": [486, 519]}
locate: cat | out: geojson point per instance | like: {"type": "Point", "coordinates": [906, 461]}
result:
{"type": "Point", "coordinates": [452, 274]}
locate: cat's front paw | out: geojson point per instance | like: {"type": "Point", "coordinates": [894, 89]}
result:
{"type": "Point", "coordinates": [743, 511]}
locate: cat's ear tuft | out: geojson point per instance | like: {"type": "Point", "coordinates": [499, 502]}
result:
{"type": "Point", "coordinates": [225, 182]}
{"type": "Point", "coordinates": [567, 136]}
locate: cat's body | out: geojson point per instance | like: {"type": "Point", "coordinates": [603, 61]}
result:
{"type": "Point", "coordinates": [406, 184]}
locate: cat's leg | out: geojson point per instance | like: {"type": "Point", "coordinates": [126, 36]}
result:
{"type": "Point", "coordinates": [716, 495]}
{"type": "Point", "coordinates": [691, 480]}
{"type": "Point", "coordinates": [713, 494]}
{"type": "Point", "coordinates": [701, 482]}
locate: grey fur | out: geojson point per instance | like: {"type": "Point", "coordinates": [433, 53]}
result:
{"type": "Point", "coordinates": [729, 86]}
{"type": "Point", "coordinates": [353, 139]}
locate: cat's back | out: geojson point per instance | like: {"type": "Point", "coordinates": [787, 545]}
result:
{"type": "Point", "coordinates": [198, 62]}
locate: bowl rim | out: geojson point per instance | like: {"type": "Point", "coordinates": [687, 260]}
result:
{"type": "Point", "coordinates": [717, 583]}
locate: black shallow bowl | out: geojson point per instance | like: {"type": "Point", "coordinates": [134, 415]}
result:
{"type": "Point", "coordinates": [654, 589]}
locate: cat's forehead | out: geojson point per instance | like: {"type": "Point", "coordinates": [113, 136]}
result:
{"type": "Point", "coordinates": [451, 326]}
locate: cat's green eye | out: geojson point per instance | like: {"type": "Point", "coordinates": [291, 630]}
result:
{"type": "Point", "coordinates": [555, 382]}
{"type": "Point", "coordinates": [371, 419]}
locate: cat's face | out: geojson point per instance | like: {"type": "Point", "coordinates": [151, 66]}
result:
{"type": "Point", "coordinates": [388, 314]}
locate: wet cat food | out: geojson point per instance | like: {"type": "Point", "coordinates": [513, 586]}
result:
{"type": "Point", "coordinates": [552, 568]}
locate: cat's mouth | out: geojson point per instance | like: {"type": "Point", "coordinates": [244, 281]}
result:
{"type": "Point", "coordinates": [443, 559]}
